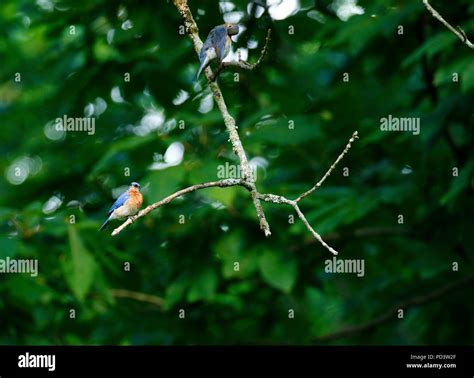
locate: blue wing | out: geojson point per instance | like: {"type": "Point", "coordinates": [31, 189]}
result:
{"type": "Point", "coordinates": [204, 48]}
{"type": "Point", "coordinates": [120, 201]}
{"type": "Point", "coordinates": [216, 38]}
{"type": "Point", "coordinates": [219, 42]}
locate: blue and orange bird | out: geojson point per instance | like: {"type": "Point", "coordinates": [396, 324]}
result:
{"type": "Point", "coordinates": [126, 205]}
{"type": "Point", "coordinates": [217, 45]}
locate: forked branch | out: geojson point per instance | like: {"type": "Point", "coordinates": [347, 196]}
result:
{"type": "Point", "coordinates": [248, 179]}
{"type": "Point", "coordinates": [272, 198]}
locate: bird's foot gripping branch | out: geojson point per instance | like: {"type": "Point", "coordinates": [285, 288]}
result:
{"type": "Point", "coordinates": [248, 181]}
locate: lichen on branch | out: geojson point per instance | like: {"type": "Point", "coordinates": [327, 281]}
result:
{"type": "Point", "coordinates": [248, 180]}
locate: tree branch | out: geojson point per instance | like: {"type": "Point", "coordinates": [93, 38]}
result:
{"type": "Point", "coordinates": [273, 198]}
{"type": "Point", "coordinates": [248, 180]}
{"type": "Point", "coordinates": [315, 234]}
{"type": "Point", "coordinates": [193, 188]}
{"type": "Point", "coordinates": [391, 313]}
{"type": "Point", "coordinates": [326, 175]}
{"type": "Point", "coordinates": [456, 31]}
{"type": "Point", "coordinates": [282, 200]}
{"type": "Point", "coordinates": [141, 297]}
{"type": "Point", "coordinates": [242, 64]}
{"type": "Point", "coordinates": [229, 121]}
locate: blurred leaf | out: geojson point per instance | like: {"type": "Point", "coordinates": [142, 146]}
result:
{"type": "Point", "coordinates": [323, 310]}
{"type": "Point", "coordinates": [278, 271]}
{"type": "Point", "coordinates": [203, 286]}
{"type": "Point", "coordinates": [8, 246]}
{"type": "Point", "coordinates": [79, 266]}
{"type": "Point", "coordinates": [231, 250]}
{"type": "Point", "coordinates": [286, 131]}
{"type": "Point", "coordinates": [27, 290]}
{"type": "Point", "coordinates": [163, 183]}
{"type": "Point", "coordinates": [175, 291]}
{"type": "Point", "coordinates": [431, 47]}
{"type": "Point", "coordinates": [460, 183]}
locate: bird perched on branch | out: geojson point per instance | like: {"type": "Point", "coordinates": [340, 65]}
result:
{"type": "Point", "coordinates": [217, 45]}
{"type": "Point", "coordinates": [126, 205]}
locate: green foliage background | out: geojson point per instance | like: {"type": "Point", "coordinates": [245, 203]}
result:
{"type": "Point", "coordinates": [190, 265]}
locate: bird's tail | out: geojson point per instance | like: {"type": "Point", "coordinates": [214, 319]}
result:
{"type": "Point", "coordinates": [203, 66]}
{"type": "Point", "coordinates": [106, 223]}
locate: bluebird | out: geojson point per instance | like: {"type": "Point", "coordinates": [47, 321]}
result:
{"type": "Point", "coordinates": [217, 45]}
{"type": "Point", "coordinates": [126, 205]}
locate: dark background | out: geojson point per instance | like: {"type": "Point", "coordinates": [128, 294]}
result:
{"type": "Point", "coordinates": [190, 266]}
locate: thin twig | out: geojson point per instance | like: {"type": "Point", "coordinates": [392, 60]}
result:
{"type": "Point", "coordinates": [311, 229]}
{"type": "Point", "coordinates": [141, 297]}
{"type": "Point", "coordinates": [392, 312]}
{"type": "Point", "coordinates": [242, 64]}
{"type": "Point", "coordinates": [456, 31]}
{"type": "Point", "coordinates": [282, 200]}
{"type": "Point", "coordinates": [326, 175]}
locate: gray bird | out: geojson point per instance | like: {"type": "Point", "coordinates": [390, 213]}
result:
{"type": "Point", "coordinates": [217, 45]}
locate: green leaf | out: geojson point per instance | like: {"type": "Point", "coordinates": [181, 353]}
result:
{"type": "Point", "coordinates": [431, 47]}
{"type": "Point", "coordinates": [163, 183]}
{"type": "Point", "coordinates": [175, 291]}
{"type": "Point", "coordinates": [459, 184]}
{"type": "Point", "coordinates": [128, 144]}
{"type": "Point", "coordinates": [225, 196]}
{"type": "Point", "coordinates": [467, 77]}
{"type": "Point", "coordinates": [79, 267]}
{"type": "Point", "coordinates": [323, 310]}
{"type": "Point", "coordinates": [444, 74]}
{"type": "Point", "coordinates": [278, 271]}
{"type": "Point", "coordinates": [229, 300]}
{"type": "Point", "coordinates": [230, 249]}
{"type": "Point", "coordinates": [26, 290]}
{"type": "Point", "coordinates": [8, 246]}
{"type": "Point", "coordinates": [204, 286]}
{"type": "Point", "coordinates": [292, 130]}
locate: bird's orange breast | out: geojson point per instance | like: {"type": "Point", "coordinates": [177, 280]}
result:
{"type": "Point", "coordinates": [136, 199]}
